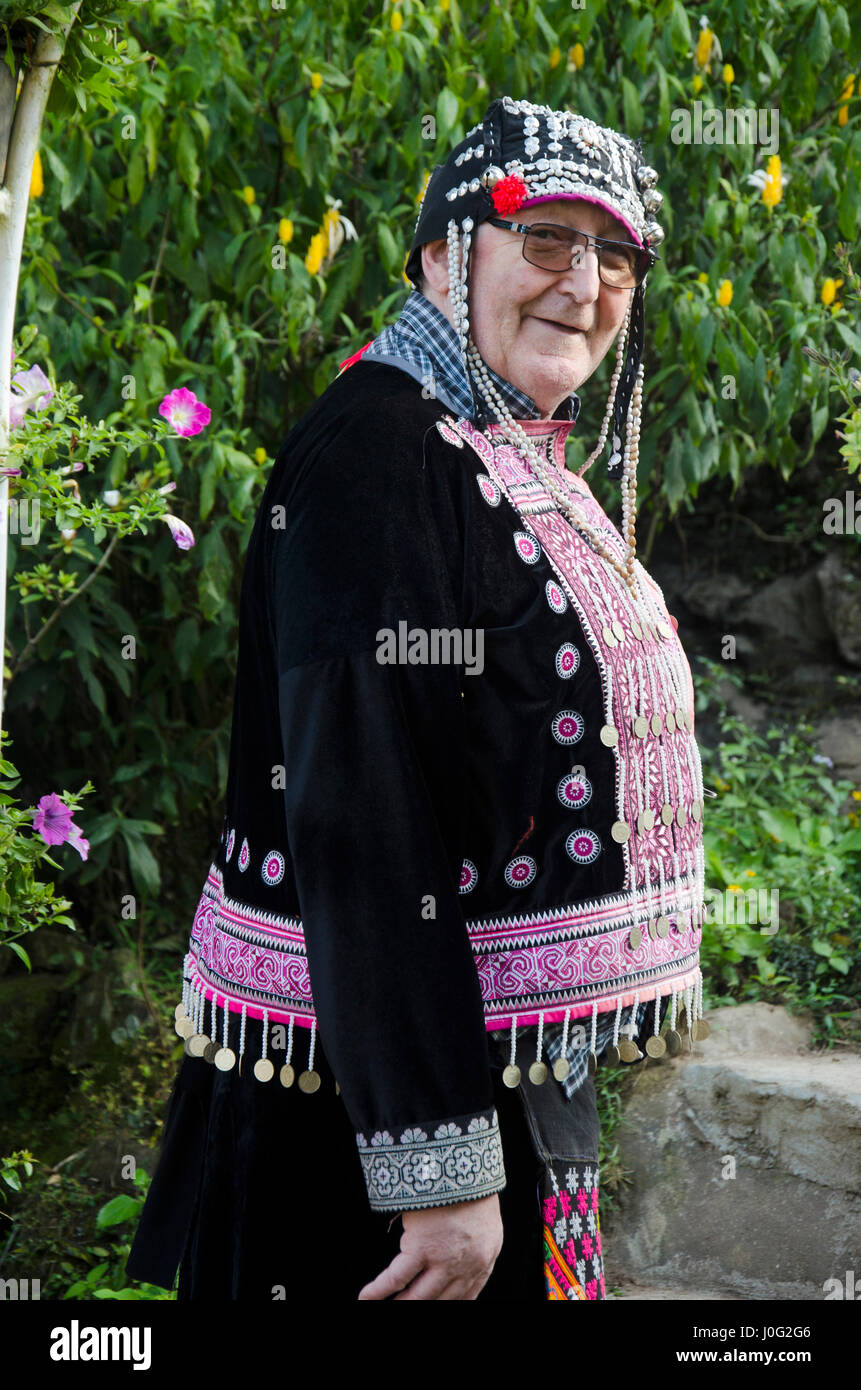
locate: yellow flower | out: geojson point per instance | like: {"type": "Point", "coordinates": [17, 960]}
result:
{"type": "Point", "coordinates": [697, 84]}
{"type": "Point", "coordinates": [248, 194]}
{"type": "Point", "coordinates": [728, 73]}
{"type": "Point", "coordinates": [725, 293]}
{"type": "Point", "coordinates": [37, 183]}
{"type": "Point", "coordinates": [856, 796]}
{"type": "Point", "coordinates": [316, 252]}
{"type": "Point", "coordinates": [773, 190]}
{"type": "Point", "coordinates": [838, 304]}
{"type": "Point", "coordinates": [316, 81]}
{"type": "Point", "coordinates": [733, 888]}
{"type": "Point", "coordinates": [751, 873]}
{"type": "Point", "coordinates": [576, 55]}
{"type": "Point", "coordinates": [704, 46]}
{"type": "Point", "coordinates": [285, 230]}
{"type": "Point", "coordinates": [829, 290]}
{"type": "Point", "coordinates": [703, 277]}
{"type": "Point", "coordinates": [555, 57]}
{"type": "Point", "coordinates": [443, 4]}
{"type": "Point", "coordinates": [260, 455]}
{"type": "Point", "coordinates": [397, 20]}
{"type": "Point", "coordinates": [848, 89]}
{"type": "Point", "coordinates": [852, 818]}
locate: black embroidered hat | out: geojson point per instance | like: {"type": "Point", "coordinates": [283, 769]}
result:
{"type": "Point", "coordinates": [521, 154]}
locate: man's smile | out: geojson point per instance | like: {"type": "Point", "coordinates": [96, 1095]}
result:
{"type": "Point", "coordinates": [562, 327]}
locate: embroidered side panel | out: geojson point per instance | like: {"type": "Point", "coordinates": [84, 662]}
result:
{"type": "Point", "coordinates": [573, 1261]}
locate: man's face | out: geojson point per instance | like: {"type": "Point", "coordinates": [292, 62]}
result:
{"type": "Point", "coordinates": [515, 306]}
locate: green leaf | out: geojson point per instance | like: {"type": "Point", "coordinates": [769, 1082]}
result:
{"type": "Point", "coordinates": [632, 107]}
{"type": "Point", "coordinates": [663, 102]}
{"type": "Point", "coordinates": [390, 251]}
{"type": "Point", "coordinates": [186, 157]}
{"type": "Point", "coordinates": [818, 44]}
{"type": "Point", "coordinates": [786, 397]}
{"type": "Point", "coordinates": [446, 113]}
{"type": "Point", "coordinates": [847, 208]}
{"type": "Point", "coordinates": [680, 29]}
{"type": "Point", "coordinates": [674, 483]}
{"type": "Point", "coordinates": [781, 824]}
{"type": "Point", "coordinates": [20, 952]}
{"type": "Point", "coordinates": [135, 175]}
{"type": "Point", "coordinates": [143, 864]}
{"type": "Point", "coordinates": [118, 1209]}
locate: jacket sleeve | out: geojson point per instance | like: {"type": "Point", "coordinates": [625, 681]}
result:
{"type": "Point", "coordinates": [371, 552]}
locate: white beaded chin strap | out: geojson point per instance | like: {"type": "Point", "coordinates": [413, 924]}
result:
{"type": "Point", "coordinates": [458, 264]}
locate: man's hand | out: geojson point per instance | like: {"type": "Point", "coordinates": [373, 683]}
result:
{"type": "Point", "coordinates": [446, 1253]}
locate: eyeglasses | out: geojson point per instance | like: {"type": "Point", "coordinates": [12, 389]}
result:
{"type": "Point", "coordinates": [550, 246]}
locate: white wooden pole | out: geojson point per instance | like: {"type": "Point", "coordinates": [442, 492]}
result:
{"type": "Point", "coordinates": [14, 197]}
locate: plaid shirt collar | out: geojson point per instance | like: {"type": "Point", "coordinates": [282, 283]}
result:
{"type": "Point", "coordinates": [423, 343]}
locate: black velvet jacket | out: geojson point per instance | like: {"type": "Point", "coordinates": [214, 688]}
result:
{"type": "Point", "coordinates": [371, 800]}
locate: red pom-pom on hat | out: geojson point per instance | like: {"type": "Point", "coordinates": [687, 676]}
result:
{"type": "Point", "coordinates": [509, 194]}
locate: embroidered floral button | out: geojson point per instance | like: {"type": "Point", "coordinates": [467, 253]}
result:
{"type": "Point", "coordinates": [244, 856]}
{"type": "Point", "coordinates": [568, 726]}
{"type": "Point", "coordinates": [520, 871]}
{"type": "Point", "coordinates": [574, 791]}
{"type": "Point", "coordinates": [489, 491]}
{"type": "Point", "coordinates": [468, 876]}
{"type": "Point", "coordinates": [231, 840]}
{"type": "Point", "coordinates": [527, 547]}
{"type": "Point", "coordinates": [273, 868]}
{"type": "Point", "coordinates": [555, 597]}
{"type": "Point", "coordinates": [583, 846]}
{"type": "Point", "coordinates": [449, 434]}
{"type": "Point", "coordinates": [567, 660]}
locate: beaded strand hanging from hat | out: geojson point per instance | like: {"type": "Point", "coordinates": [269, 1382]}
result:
{"type": "Point", "coordinates": [536, 153]}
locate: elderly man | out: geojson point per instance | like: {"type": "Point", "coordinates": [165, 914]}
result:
{"type": "Point", "coordinates": [452, 872]}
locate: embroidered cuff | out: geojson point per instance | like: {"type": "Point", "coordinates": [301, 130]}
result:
{"type": "Point", "coordinates": [433, 1165]}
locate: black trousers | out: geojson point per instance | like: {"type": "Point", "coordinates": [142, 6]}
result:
{"type": "Point", "coordinates": [259, 1194]}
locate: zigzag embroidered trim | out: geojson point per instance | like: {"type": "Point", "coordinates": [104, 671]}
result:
{"type": "Point", "coordinates": [459, 1161]}
{"type": "Point", "coordinates": [529, 965]}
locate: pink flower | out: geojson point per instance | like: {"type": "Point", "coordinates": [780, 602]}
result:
{"type": "Point", "coordinates": [587, 1245]}
{"type": "Point", "coordinates": [34, 392]}
{"type": "Point", "coordinates": [595, 1198]}
{"type": "Point", "coordinates": [185, 412]}
{"type": "Point", "coordinates": [53, 820]}
{"type": "Point", "coordinates": [592, 1288]}
{"type": "Point", "coordinates": [582, 1201]}
{"type": "Point", "coordinates": [565, 1202]}
{"type": "Point", "coordinates": [182, 534]}
{"type": "Point", "coordinates": [549, 1210]}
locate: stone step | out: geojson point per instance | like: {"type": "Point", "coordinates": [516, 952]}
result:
{"type": "Point", "coordinates": [745, 1159]}
{"type": "Point", "coordinates": [664, 1293]}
